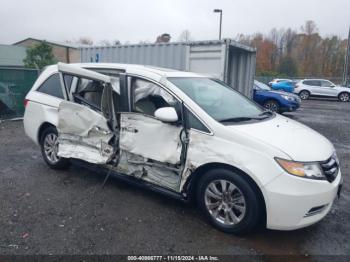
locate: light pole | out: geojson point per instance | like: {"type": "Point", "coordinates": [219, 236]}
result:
{"type": "Point", "coordinates": [219, 11]}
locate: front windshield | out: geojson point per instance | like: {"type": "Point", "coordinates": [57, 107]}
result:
{"type": "Point", "coordinates": [218, 100]}
{"type": "Point", "coordinates": [262, 85]}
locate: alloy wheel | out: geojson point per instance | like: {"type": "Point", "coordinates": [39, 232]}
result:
{"type": "Point", "coordinates": [51, 147]}
{"type": "Point", "coordinates": [271, 106]}
{"type": "Point", "coordinates": [225, 202]}
{"type": "Point", "coordinates": [344, 97]}
{"type": "Point", "coordinates": [304, 95]}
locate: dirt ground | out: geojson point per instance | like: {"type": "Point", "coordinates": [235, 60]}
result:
{"type": "Point", "coordinates": [43, 211]}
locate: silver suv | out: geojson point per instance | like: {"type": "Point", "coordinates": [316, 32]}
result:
{"type": "Point", "coordinates": [321, 88]}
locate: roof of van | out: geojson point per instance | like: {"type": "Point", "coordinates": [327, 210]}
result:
{"type": "Point", "coordinates": [166, 72]}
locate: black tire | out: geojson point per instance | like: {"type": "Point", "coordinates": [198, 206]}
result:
{"type": "Point", "coordinates": [253, 206]}
{"type": "Point", "coordinates": [304, 94]}
{"type": "Point", "coordinates": [272, 105]}
{"type": "Point", "coordinates": [344, 97]}
{"type": "Point", "coordinates": [61, 163]}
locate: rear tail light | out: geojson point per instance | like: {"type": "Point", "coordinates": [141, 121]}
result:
{"type": "Point", "coordinates": [25, 102]}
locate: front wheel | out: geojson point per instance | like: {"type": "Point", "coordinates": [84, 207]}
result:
{"type": "Point", "coordinates": [272, 105]}
{"type": "Point", "coordinates": [304, 95]}
{"type": "Point", "coordinates": [49, 149]}
{"type": "Point", "coordinates": [228, 201]}
{"type": "Point", "coordinates": [344, 97]}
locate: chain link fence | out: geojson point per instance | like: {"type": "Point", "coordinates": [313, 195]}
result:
{"type": "Point", "coordinates": [14, 85]}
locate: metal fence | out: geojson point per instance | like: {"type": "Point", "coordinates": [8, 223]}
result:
{"type": "Point", "coordinates": [14, 85]}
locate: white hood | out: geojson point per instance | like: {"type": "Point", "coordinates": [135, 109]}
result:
{"type": "Point", "coordinates": [298, 141]}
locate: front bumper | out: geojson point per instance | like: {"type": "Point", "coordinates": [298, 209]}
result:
{"type": "Point", "coordinates": [290, 107]}
{"type": "Point", "coordinates": [290, 201]}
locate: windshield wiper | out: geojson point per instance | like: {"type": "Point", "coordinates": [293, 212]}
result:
{"type": "Point", "coordinates": [263, 115]}
{"type": "Point", "coordinates": [239, 119]}
{"type": "Point", "coordinates": [266, 113]}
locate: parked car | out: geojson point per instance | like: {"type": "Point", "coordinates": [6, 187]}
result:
{"type": "Point", "coordinates": [276, 101]}
{"type": "Point", "coordinates": [287, 86]}
{"type": "Point", "coordinates": [187, 136]}
{"type": "Point", "coordinates": [321, 88]}
{"type": "Point", "coordinates": [277, 80]}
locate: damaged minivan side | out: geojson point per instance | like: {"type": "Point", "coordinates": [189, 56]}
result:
{"type": "Point", "coordinates": [188, 136]}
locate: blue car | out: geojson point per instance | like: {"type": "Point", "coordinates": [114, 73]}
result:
{"type": "Point", "coordinates": [287, 86]}
{"type": "Point", "coordinates": [276, 101]}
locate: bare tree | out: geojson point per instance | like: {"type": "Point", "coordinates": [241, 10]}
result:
{"type": "Point", "coordinates": [116, 42]}
{"type": "Point", "coordinates": [185, 36]}
{"type": "Point", "coordinates": [105, 42]}
{"type": "Point", "coordinates": [309, 28]}
{"type": "Point", "coordinates": [84, 40]}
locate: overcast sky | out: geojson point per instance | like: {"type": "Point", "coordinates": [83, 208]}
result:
{"type": "Point", "coordinates": [143, 20]}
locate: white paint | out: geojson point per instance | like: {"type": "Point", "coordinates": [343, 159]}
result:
{"type": "Point", "coordinates": [83, 134]}
{"type": "Point", "coordinates": [250, 147]}
{"type": "Point", "coordinates": [166, 114]}
{"type": "Point", "coordinates": [150, 138]}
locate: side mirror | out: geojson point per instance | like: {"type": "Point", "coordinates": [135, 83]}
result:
{"type": "Point", "coordinates": [166, 114]}
{"type": "Point", "coordinates": [332, 85]}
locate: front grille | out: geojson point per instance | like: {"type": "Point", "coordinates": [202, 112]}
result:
{"type": "Point", "coordinates": [330, 168]}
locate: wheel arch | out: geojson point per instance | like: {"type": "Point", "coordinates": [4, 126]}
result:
{"type": "Point", "coordinates": [272, 99]}
{"type": "Point", "coordinates": [343, 92]}
{"type": "Point", "coordinates": [190, 186]}
{"type": "Point", "coordinates": [42, 127]}
{"type": "Point", "coordinates": [304, 90]}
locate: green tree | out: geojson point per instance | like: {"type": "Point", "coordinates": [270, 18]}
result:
{"type": "Point", "coordinates": [288, 67]}
{"type": "Point", "coordinates": [39, 56]}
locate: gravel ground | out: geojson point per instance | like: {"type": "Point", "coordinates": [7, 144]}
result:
{"type": "Point", "coordinates": [43, 211]}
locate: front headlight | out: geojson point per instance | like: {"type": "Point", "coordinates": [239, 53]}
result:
{"type": "Point", "coordinates": [289, 98]}
{"type": "Point", "coordinates": [310, 170]}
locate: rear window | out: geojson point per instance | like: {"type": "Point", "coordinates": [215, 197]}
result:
{"type": "Point", "coordinates": [52, 86]}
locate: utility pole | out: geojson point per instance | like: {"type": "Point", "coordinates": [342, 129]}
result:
{"type": "Point", "coordinates": [219, 11]}
{"type": "Point", "coordinates": [346, 75]}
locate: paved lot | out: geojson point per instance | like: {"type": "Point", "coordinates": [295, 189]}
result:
{"type": "Point", "coordinates": [67, 212]}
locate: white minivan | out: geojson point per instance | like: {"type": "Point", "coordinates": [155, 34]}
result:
{"type": "Point", "coordinates": [188, 136]}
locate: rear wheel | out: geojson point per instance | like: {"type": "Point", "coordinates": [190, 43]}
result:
{"type": "Point", "coordinates": [304, 95]}
{"type": "Point", "coordinates": [272, 105]}
{"type": "Point", "coordinates": [344, 97]}
{"type": "Point", "coordinates": [228, 201]}
{"type": "Point", "coordinates": [49, 149]}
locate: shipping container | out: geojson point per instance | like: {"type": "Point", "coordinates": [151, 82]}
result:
{"type": "Point", "coordinates": [227, 60]}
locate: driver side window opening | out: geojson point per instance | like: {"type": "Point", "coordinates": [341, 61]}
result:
{"type": "Point", "coordinates": [147, 97]}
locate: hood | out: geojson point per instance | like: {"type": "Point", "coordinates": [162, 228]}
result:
{"type": "Point", "coordinates": [298, 141]}
{"type": "Point", "coordinates": [342, 88]}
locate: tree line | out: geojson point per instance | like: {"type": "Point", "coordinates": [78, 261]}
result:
{"type": "Point", "coordinates": [296, 53]}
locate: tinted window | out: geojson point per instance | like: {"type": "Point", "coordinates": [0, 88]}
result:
{"type": "Point", "coordinates": [326, 83]}
{"type": "Point", "coordinates": [52, 86]}
{"type": "Point", "coordinates": [68, 81]}
{"type": "Point", "coordinates": [195, 123]}
{"type": "Point", "coordinates": [312, 83]}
